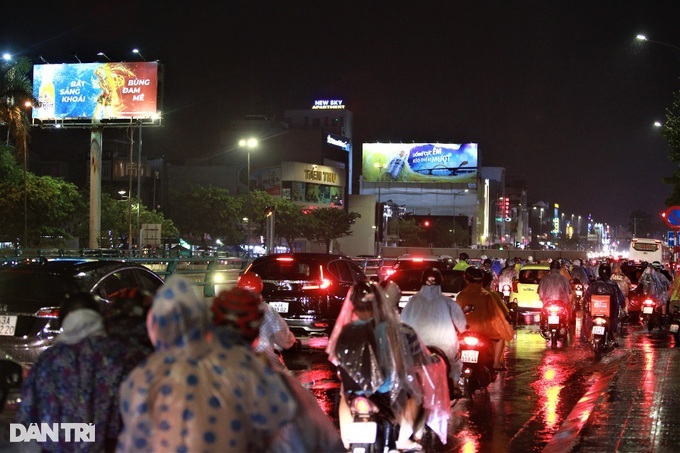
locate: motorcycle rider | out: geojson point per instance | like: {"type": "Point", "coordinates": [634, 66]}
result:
{"type": "Point", "coordinates": [623, 281]}
{"type": "Point", "coordinates": [487, 317]}
{"type": "Point", "coordinates": [490, 275]}
{"type": "Point", "coordinates": [463, 262]}
{"type": "Point", "coordinates": [508, 274]}
{"type": "Point", "coordinates": [555, 287]}
{"type": "Point", "coordinates": [437, 319]}
{"type": "Point", "coordinates": [655, 284]}
{"type": "Point", "coordinates": [579, 272]}
{"type": "Point", "coordinates": [605, 286]}
{"type": "Point", "coordinates": [375, 357]}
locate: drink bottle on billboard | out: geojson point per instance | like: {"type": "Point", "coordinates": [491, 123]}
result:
{"type": "Point", "coordinates": [396, 165]}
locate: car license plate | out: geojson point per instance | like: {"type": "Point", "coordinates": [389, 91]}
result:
{"type": "Point", "coordinates": [281, 307]}
{"type": "Point", "coordinates": [553, 319]}
{"type": "Point", "coordinates": [361, 432]}
{"type": "Point", "coordinates": [8, 325]}
{"type": "Point", "coordinates": [598, 330]}
{"type": "Point", "coordinates": [648, 310]}
{"type": "Point", "coordinates": [674, 328]}
{"type": "Point", "coordinates": [469, 356]}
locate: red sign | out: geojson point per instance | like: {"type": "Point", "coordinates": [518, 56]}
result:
{"type": "Point", "coordinates": [672, 216]}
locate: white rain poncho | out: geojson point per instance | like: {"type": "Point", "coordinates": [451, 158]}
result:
{"type": "Point", "coordinates": [554, 286]}
{"type": "Point", "coordinates": [437, 319]}
{"type": "Point", "coordinates": [194, 393]}
{"type": "Point", "coordinates": [654, 284]}
{"type": "Point", "coordinates": [384, 355]}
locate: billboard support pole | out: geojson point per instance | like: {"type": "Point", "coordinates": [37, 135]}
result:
{"type": "Point", "coordinates": [95, 187]}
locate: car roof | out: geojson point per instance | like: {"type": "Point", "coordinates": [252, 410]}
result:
{"type": "Point", "coordinates": [539, 266]}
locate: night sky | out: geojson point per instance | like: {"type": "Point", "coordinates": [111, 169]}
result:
{"type": "Point", "coordinates": [559, 93]}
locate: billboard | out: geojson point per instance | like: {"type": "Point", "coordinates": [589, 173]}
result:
{"type": "Point", "coordinates": [96, 91]}
{"type": "Point", "coordinates": [420, 162]}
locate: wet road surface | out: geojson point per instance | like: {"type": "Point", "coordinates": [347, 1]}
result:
{"type": "Point", "coordinates": [557, 400]}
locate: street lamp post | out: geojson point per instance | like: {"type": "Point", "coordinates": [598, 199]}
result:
{"type": "Point", "coordinates": [248, 144]}
{"type": "Point", "coordinates": [381, 230]}
{"type": "Point", "coordinates": [674, 49]}
{"type": "Point", "coordinates": [455, 195]}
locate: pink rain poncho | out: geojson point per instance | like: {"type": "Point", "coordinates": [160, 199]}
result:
{"type": "Point", "coordinates": [385, 355]}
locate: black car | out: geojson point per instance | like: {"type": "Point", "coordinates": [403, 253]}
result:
{"type": "Point", "coordinates": [409, 282]}
{"type": "Point", "coordinates": [30, 295]}
{"type": "Point", "coordinates": [307, 289]}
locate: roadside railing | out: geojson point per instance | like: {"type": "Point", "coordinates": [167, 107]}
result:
{"type": "Point", "coordinates": [211, 274]}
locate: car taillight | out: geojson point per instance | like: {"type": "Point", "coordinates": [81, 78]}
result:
{"type": "Point", "coordinates": [48, 312]}
{"type": "Point", "coordinates": [514, 286]}
{"type": "Point", "coordinates": [470, 341]}
{"type": "Point", "coordinates": [389, 272]}
{"type": "Point", "coordinates": [320, 284]}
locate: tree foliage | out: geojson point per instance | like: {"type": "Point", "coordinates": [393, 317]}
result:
{"type": "Point", "coordinates": [325, 224]}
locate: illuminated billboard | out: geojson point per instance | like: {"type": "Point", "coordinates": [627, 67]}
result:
{"type": "Point", "coordinates": [420, 162]}
{"type": "Point", "coordinates": [96, 91]}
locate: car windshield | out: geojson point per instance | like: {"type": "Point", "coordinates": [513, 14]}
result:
{"type": "Point", "coordinates": [18, 285]}
{"type": "Point", "coordinates": [529, 276]}
{"type": "Point", "coordinates": [286, 269]}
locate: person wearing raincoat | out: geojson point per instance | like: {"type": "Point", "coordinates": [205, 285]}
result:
{"type": "Point", "coordinates": [555, 286]}
{"type": "Point", "coordinates": [378, 354]}
{"type": "Point", "coordinates": [656, 285]}
{"type": "Point", "coordinates": [487, 317]}
{"type": "Point", "coordinates": [195, 394]}
{"type": "Point", "coordinates": [437, 319]}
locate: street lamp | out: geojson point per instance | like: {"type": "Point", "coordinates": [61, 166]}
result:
{"type": "Point", "coordinates": [102, 54]}
{"type": "Point", "coordinates": [138, 53]}
{"type": "Point", "coordinates": [249, 144]}
{"type": "Point", "coordinates": [381, 168]}
{"type": "Point", "coordinates": [674, 49]}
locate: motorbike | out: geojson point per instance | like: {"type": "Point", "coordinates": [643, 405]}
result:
{"type": "Point", "coordinates": [650, 314]}
{"type": "Point", "coordinates": [555, 322]}
{"type": "Point", "coordinates": [601, 331]}
{"type": "Point", "coordinates": [476, 355]}
{"type": "Point", "coordinates": [577, 307]}
{"type": "Point", "coordinates": [374, 427]}
{"type": "Point", "coordinates": [513, 314]}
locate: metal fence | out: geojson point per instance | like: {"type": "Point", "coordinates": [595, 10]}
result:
{"type": "Point", "coordinates": [210, 273]}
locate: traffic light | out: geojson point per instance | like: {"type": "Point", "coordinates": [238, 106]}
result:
{"type": "Point", "coordinates": [269, 211]}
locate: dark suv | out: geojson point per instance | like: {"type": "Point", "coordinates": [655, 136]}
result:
{"type": "Point", "coordinates": [306, 289]}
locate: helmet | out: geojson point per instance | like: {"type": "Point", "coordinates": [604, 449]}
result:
{"type": "Point", "coordinates": [604, 271]}
{"type": "Point", "coordinates": [392, 292]}
{"type": "Point", "coordinates": [530, 259]}
{"type": "Point", "coordinates": [464, 256]}
{"type": "Point", "coordinates": [510, 262]}
{"type": "Point", "coordinates": [131, 302]}
{"type": "Point", "coordinates": [359, 292]}
{"type": "Point", "coordinates": [78, 301]}
{"type": "Point", "coordinates": [555, 264]}
{"type": "Point", "coordinates": [488, 261]}
{"type": "Point", "coordinates": [483, 257]}
{"type": "Point", "coordinates": [240, 309]}
{"type": "Point", "coordinates": [430, 273]}
{"type": "Point", "coordinates": [577, 262]}
{"type": "Point", "coordinates": [250, 281]}
{"type": "Point", "coordinates": [474, 275]}
{"type": "Point", "coordinates": [656, 265]}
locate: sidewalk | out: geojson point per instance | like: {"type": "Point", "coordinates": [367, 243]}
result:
{"type": "Point", "coordinates": [633, 404]}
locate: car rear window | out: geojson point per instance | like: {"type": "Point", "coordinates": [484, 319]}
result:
{"type": "Point", "coordinates": [529, 276]}
{"type": "Point", "coordinates": [286, 269]}
{"type": "Point", "coordinates": [24, 285]}
{"type": "Point", "coordinates": [452, 282]}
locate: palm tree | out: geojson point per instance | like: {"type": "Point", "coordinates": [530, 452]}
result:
{"type": "Point", "coordinates": [16, 95]}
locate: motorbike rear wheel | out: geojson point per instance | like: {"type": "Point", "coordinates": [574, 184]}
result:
{"type": "Point", "coordinates": [553, 339]}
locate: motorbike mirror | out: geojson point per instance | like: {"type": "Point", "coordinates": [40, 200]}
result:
{"type": "Point", "coordinates": [469, 308]}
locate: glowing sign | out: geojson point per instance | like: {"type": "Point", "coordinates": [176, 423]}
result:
{"type": "Point", "coordinates": [338, 141]}
{"type": "Point", "coordinates": [326, 104]}
{"type": "Point", "coordinates": [96, 90]}
{"type": "Point", "coordinates": [420, 162]}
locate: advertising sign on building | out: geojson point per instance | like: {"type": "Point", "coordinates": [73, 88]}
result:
{"type": "Point", "coordinates": [420, 162]}
{"type": "Point", "coordinates": [96, 90]}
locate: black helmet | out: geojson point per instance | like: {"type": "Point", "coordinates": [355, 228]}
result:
{"type": "Point", "coordinates": [474, 275]}
{"type": "Point", "coordinates": [488, 262]}
{"type": "Point", "coordinates": [555, 264]}
{"type": "Point", "coordinates": [359, 291]}
{"type": "Point", "coordinates": [431, 272]}
{"type": "Point", "coordinates": [604, 271]}
{"type": "Point", "coordinates": [464, 256]}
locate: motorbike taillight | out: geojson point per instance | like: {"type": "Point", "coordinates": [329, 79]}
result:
{"type": "Point", "coordinates": [470, 340]}
{"type": "Point", "coordinates": [554, 309]}
{"type": "Point", "coordinates": [599, 321]}
{"type": "Point", "coordinates": [649, 302]}
{"type": "Point", "coordinates": [361, 405]}
{"type": "Point", "coordinates": [506, 290]}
